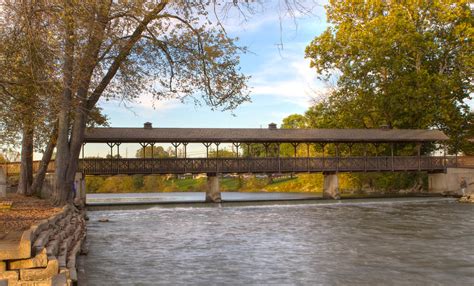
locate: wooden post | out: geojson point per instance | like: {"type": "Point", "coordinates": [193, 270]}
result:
{"type": "Point", "coordinates": [323, 145]}
{"type": "Point", "coordinates": [118, 157]}
{"type": "Point", "coordinates": [365, 157]}
{"type": "Point", "coordinates": [295, 147]}
{"type": "Point", "coordinates": [279, 159]}
{"type": "Point", "coordinates": [265, 145]}
{"type": "Point", "coordinates": [217, 149]}
{"type": "Point", "coordinates": [418, 150]}
{"type": "Point", "coordinates": [185, 144]}
{"type": "Point", "coordinates": [391, 151]}
{"type": "Point", "coordinates": [207, 148]}
{"type": "Point", "coordinates": [445, 163]}
{"type": "Point", "coordinates": [111, 145]}
{"type": "Point", "coordinates": [118, 150]}
{"type": "Point", "coordinates": [307, 157]}
{"type": "Point", "coordinates": [152, 150]}
{"type": "Point", "coordinates": [237, 145]}
{"type": "Point", "coordinates": [176, 145]}
{"type": "Point", "coordinates": [144, 153]}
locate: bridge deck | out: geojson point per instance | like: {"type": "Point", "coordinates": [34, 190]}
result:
{"type": "Point", "coordinates": [262, 165]}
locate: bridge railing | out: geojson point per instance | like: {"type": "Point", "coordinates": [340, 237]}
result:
{"type": "Point", "coordinates": [263, 165]}
{"type": "Point", "coordinates": [113, 166]}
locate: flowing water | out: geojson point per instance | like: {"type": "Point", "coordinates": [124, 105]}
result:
{"type": "Point", "coordinates": [353, 242]}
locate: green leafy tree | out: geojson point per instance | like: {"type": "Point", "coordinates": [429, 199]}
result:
{"type": "Point", "coordinates": [294, 121]}
{"type": "Point", "coordinates": [467, 145]}
{"type": "Point", "coordinates": [117, 49]}
{"type": "Point", "coordinates": [401, 64]}
{"type": "Point", "coordinates": [158, 152]}
{"type": "Point", "coordinates": [223, 153]}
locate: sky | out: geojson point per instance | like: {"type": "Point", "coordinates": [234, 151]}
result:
{"type": "Point", "coordinates": [281, 81]}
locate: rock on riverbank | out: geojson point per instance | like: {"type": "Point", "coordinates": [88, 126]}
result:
{"type": "Point", "coordinates": [467, 199]}
{"type": "Point", "coordinates": [46, 253]}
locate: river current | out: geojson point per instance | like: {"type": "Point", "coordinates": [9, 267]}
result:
{"type": "Point", "coordinates": [352, 242]}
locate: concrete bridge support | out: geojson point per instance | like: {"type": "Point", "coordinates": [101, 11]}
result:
{"type": "Point", "coordinates": [80, 187]}
{"type": "Point", "coordinates": [450, 182]}
{"type": "Point", "coordinates": [213, 192]}
{"type": "Point", "coordinates": [331, 186]}
{"type": "Point", "coordinates": [3, 183]}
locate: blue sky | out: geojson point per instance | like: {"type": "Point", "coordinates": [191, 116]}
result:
{"type": "Point", "coordinates": [281, 81]}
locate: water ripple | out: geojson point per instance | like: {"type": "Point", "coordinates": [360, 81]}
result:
{"type": "Point", "coordinates": [362, 243]}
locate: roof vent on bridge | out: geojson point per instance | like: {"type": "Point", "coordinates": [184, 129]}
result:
{"type": "Point", "coordinates": [272, 126]}
{"type": "Point", "coordinates": [147, 125]}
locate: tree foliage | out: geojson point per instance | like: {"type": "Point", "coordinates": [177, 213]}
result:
{"type": "Point", "coordinates": [157, 151]}
{"type": "Point", "coordinates": [101, 50]}
{"type": "Point", "coordinates": [401, 64]}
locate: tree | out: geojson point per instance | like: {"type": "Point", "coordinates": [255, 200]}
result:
{"type": "Point", "coordinates": [401, 64]}
{"type": "Point", "coordinates": [223, 153]}
{"type": "Point", "coordinates": [294, 121]}
{"type": "Point", "coordinates": [168, 49]}
{"type": "Point", "coordinates": [28, 85]}
{"type": "Point", "coordinates": [467, 145]}
{"type": "Point", "coordinates": [118, 49]}
{"type": "Point", "coordinates": [157, 151]}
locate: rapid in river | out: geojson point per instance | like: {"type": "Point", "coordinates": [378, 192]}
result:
{"type": "Point", "coordinates": [418, 241]}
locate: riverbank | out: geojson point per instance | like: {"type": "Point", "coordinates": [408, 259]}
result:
{"type": "Point", "coordinates": [45, 253]}
{"type": "Point", "coordinates": [20, 213]}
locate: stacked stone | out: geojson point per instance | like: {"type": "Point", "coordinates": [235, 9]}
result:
{"type": "Point", "coordinates": [467, 198]}
{"type": "Point", "coordinates": [46, 254]}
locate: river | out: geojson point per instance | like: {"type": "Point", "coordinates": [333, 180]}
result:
{"type": "Point", "coordinates": [352, 242]}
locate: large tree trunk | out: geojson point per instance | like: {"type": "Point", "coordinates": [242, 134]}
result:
{"type": "Point", "coordinates": [61, 188]}
{"type": "Point", "coordinates": [43, 168]}
{"type": "Point", "coordinates": [69, 147]}
{"type": "Point", "coordinates": [26, 167]}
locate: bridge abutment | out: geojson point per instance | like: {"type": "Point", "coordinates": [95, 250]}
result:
{"type": "Point", "coordinates": [3, 183]}
{"type": "Point", "coordinates": [213, 192]}
{"type": "Point", "coordinates": [450, 181]}
{"type": "Point", "coordinates": [80, 187]}
{"type": "Point", "coordinates": [331, 186]}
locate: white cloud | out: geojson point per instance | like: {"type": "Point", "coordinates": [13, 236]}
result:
{"type": "Point", "coordinates": [146, 101]}
{"type": "Point", "coordinates": [289, 78]}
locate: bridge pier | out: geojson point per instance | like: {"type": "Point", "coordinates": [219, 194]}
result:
{"type": "Point", "coordinates": [3, 183]}
{"type": "Point", "coordinates": [80, 187]}
{"type": "Point", "coordinates": [331, 186]}
{"type": "Point", "coordinates": [213, 192]}
{"type": "Point", "coordinates": [450, 181]}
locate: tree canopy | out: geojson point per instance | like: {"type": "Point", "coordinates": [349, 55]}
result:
{"type": "Point", "coordinates": [401, 64]}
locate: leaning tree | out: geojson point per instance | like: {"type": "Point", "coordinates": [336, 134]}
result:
{"type": "Point", "coordinates": [165, 49]}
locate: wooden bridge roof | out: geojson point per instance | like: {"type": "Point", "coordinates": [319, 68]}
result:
{"type": "Point", "coordinates": [255, 135]}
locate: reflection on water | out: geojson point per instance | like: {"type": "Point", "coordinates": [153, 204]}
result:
{"type": "Point", "coordinates": [422, 242]}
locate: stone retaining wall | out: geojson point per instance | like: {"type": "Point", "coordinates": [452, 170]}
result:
{"type": "Point", "coordinates": [46, 253]}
